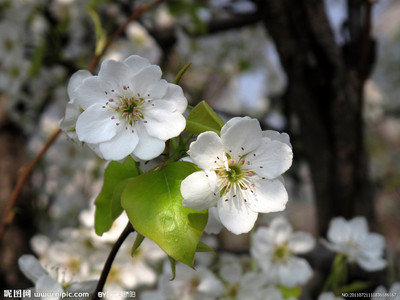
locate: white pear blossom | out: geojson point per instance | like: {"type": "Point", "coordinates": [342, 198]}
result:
{"type": "Point", "coordinates": [246, 285]}
{"type": "Point", "coordinates": [80, 254]}
{"type": "Point", "coordinates": [241, 173]}
{"type": "Point", "coordinates": [189, 284]}
{"type": "Point", "coordinates": [275, 247]}
{"type": "Point", "coordinates": [46, 284]}
{"type": "Point", "coordinates": [352, 239]}
{"type": "Point", "coordinates": [381, 293]}
{"type": "Point", "coordinates": [127, 109]}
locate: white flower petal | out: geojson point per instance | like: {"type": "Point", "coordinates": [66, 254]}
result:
{"type": "Point", "coordinates": [271, 159]}
{"type": "Point", "coordinates": [374, 244]}
{"type": "Point", "coordinates": [197, 193]}
{"type": "Point", "coordinates": [296, 271]}
{"type": "Point", "coordinates": [281, 230]}
{"type": "Point", "coordinates": [158, 91]}
{"type": "Point", "coordinates": [31, 268]}
{"type": "Point", "coordinates": [338, 230]}
{"type": "Point", "coordinates": [241, 136]}
{"type": "Point", "coordinates": [209, 283]}
{"type": "Point", "coordinates": [263, 245]}
{"type": "Point", "coordinates": [231, 273]}
{"type": "Point", "coordinates": [207, 150]}
{"type": "Point", "coordinates": [359, 227]}
{"type": "Point", "coordinates": [76, 81]}
{"type": "Point", "coordinates": [121, 145]}
{"type": "Point", "coordinates": [276, 136]}
{"type": "Point", "coordinates": [148, 147]}
{"type": "Point", "coordinates": [85, 286]}
{"type": "Point", "coordinates": [143, 81]}
{"type": "Point", "coordinates": [214, 224]}
{"type": "Point", "coordinates": [395, 288]}
{"type": "Point", "coordinates": [68, 122]}
{"type": "Point", "coordinates": [136, 63]}
{"type": "Point", "coordinates": [175, 95]}
{"type": "Point", "coordinates": [301, 242]}
{"type": "Point", "coordinates": [94, 125]}
{"type": "Point", "coordinates": [48, 285]}
{"type": "Point", "coordinates": [115, 73]}
{"type": "Point", "coordinates": [162, 123]}
{"type": "Point", "coordinates": [271, 196]}
{"type": "Point", "coordinates": [92, 91]}
{"type": "Point", "coordinates": [231, 123]}
{"type": "Point", "coordinates": [235, 214]}
{"type": "Point", "coordinates": [371, 264]}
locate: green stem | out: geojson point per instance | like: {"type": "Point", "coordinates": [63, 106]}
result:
{"type": "Point", "coordinates": [181, 72]}
{"type": "Point", "coordinates": [110, 259]}
{"type": "Point", "coordinates": [338, 275]}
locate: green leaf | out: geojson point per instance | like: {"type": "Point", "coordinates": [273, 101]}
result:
{"type": "Point", "coordinates": [153, 202]}
{"type": "Point", "coordinates": [203, 118]}
{"type": "Point", "coordinates": [289, 292]}
{"type": "Point", "coordinates": [138, 241]}
{"type": "Point", "coordinates": [201, 247]}
{"type": "Point", "coordinates": [108, 202]}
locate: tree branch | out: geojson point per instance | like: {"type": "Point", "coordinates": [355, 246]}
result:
{"type": "Point", "coordinates": [110, 259]}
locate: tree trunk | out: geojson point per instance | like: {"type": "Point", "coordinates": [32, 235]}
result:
{"type": "Point", "coordinates": [15, 239]}
{"type": "Point", "coordinates": [325, 95]}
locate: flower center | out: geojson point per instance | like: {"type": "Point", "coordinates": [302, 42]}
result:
{"type": "Point", "coordinates": [281, 253]}
{"type": "Point", "coordinates": [193, 284]}
{"type": "Point", "coordinates": [129, 109]}
{"type": "Point", "coordinates": [127, 106]}
{"type": "Point", "coordinates": [233, 174]}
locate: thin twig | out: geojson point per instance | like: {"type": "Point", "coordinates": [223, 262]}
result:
{"type": "Point", "coordinates": [27, 170]}
{"type": "Point", "coordinates": [110, 259]}
{"type": "Point", "coordinates": [136, 14]}
{"type": "Point", "coordinates": [25, 173]}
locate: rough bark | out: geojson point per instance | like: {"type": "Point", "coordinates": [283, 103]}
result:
{"type": "Point", "coordinates": [325, 95]}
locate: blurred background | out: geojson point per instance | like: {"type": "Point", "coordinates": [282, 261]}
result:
{"type": "Point", "coordinates": [326, 72]}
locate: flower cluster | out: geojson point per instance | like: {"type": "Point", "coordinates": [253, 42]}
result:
{"type": "Point", "coordinates": [127, 109]}
{"type": "Point", "coordinates": [241, 173]}
{"type": "Point", "coordinates": [79, 254]}
{"type": "Point", "coordinates": [237, 277]}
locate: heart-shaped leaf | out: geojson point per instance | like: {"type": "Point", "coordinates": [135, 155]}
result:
{"type": "Point", "coordinates": [153, 202]}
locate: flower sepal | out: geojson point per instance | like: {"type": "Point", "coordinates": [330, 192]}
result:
{"type": "Point", "coordinates": [203, 118]}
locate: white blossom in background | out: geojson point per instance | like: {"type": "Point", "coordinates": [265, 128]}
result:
{"type": "Point", "coordinates": [79, 255]}
{"type": "Point", "coordinates": [127, 109]}
{"type": "Point", "coordinates": [329, 296]}
{"type": "Point", "coordinates": [381, 293]}
{"type": "Point", "coordinates": [45, 283]}
{"type": "Point", "coordinates": [246, 285]}
{"type": "Point", "coordinates": [275, 248]}
{"type": "Point", "coordinates": [189, 284]}
{"type": "Point", "coordinates": [353, 239]}
{"type": "Point", "coordinates": [241, 173]}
